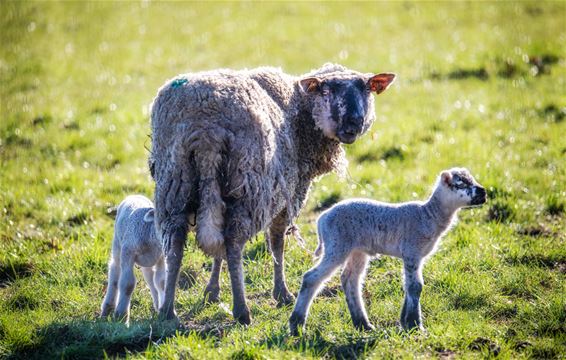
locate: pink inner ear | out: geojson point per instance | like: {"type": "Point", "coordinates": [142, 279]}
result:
{"type": "Point", "coordinates": [310, 84]}
{"type": "Point", "coordinates": [446, 178]}
{"type": "Point", "coordinates": [380, 82]}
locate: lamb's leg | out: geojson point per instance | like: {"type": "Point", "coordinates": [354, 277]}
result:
{"type": "Point", "coordinates": [148, 276]}
{"type": "Point", "coordinates": [159, 275]}
{"type": "Point", "coordinates": [352, 278]}
{"type": "Point", "coordinates": [126, 287]}
{"type": "Point", "coordinates": [277, 245]}
{"type": "Point", "coordinates": [109, 302]}
{"type": "Point", "coordinates": [411, 313]}
{"type": "Point", "coordinates": [312, 281]}
{"type": "Point", "coordinates": [212, 290]}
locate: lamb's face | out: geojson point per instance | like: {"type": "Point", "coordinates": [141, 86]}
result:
{"type": "Point", "coordinates": [460, 189]}
{"type": "Point", "coordinates": [343, 107]}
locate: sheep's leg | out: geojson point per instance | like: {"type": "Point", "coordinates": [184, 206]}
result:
{"type": "Point", "coordinates": [240, 310]}
{"type": "Point", "coordinates": [109, 302]}
{"type": "Point", "coordinates": [277, 245]}
{"type": "Point", "coordinates": [148, 276]}
{"type": "Point", "coordinates": [126, 287]}
{"type": "Point", "coordinates": [411, 312]}
{"type": "Point", "coordinates": [352, 278]}
{"type": "Point", "coordinates": [212, 290]}
{"type": "Point", "coordinates": [173, 259]}
{"type": "Point", "coordinates": [312, 281]}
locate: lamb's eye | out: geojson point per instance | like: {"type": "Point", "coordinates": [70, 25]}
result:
{"type": "Point", "coordinates": [461, 185]}
{"type": "Point", "coordinates": [325, 92]}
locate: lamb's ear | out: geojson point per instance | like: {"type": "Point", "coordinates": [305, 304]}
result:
{"type": "Point", "coordinates": [446, 178]}
{"type": "Point", "coordinates": [310, 85]}
{"type": "Point", "coordinates": [149, 216]}
{"type": "Point", "coordinates": [380, 82]}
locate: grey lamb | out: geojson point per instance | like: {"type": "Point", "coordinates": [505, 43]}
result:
{"type": "Point", "coordinates": [240, 149]}
{"type": "Point", "coordinates": [354, 230]}
{"type": "Point", "coordinates": [135, 242]}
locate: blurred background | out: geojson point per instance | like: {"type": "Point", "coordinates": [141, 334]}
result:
{"type": "Point", "coordinates": [480, 84]}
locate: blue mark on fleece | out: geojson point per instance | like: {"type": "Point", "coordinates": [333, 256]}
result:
{"type": "Point", "coordinates": [178, 82]}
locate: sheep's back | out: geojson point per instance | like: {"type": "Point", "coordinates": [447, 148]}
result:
{"type": "Point", "coordinates": [248, 112]}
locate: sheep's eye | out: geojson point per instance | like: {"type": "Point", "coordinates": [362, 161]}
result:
{"type": "Point", "coordinates": [325, 92]}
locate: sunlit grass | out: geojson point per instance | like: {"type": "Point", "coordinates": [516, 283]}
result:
{"type": "Point", "coordinates": [480, 85]}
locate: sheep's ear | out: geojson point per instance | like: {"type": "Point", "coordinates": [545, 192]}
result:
{"type": "Point", "coordinates": [446, 178]}
{"type": "Point", "coordinates": [149, 216]}
{"type": "Point", "coordinates": [380, 82]}
{"type": "Point", "coordinates": [310, 85]}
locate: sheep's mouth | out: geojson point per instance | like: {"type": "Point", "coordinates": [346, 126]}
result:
{"type": "Point", "coordinates": [347, 137]}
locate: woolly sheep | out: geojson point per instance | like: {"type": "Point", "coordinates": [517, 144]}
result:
{"type": "Point", "coordinates": [354, 230]}
{"type": "Point", "coordinates": [134, 242]}
{"type": "Point", "coordinates": [240, 149]}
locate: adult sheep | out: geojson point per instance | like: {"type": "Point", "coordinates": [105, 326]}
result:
{"type": "Point", "coordinates": [240, 149]}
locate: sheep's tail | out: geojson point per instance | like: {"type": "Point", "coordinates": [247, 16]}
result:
{"type": "Point", "coordinates": [210, 214]}
{"type": "Point", "coordinates": [319, 248]}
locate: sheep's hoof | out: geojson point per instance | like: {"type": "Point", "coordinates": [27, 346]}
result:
{"type": "Point", "coordinates": [211, 295]}
{"type": "Point", "coordinates": [283, 298]}
{"type": "Point", "coordinates": [413, 327]}
{"type": "Point", "coordinates": [243, 316]}
{"type": "Point", "coordinates": [168, 315]}
{"type": "Point", "coordinates": [296, 322]}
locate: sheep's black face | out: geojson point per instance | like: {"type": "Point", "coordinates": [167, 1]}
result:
{"type": "Point", "coordinates": [343, 107]}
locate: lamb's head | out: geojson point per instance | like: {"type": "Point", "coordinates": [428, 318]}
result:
{"type": "Point", "coordinates": [341, 102]}
{"type": "Point", "coordinates": [457, 188]}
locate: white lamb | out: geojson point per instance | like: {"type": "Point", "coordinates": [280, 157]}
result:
{"type": "Point", "coordinates": [354, 230]}
{"type": "Point", "coordinates": [135, 242]}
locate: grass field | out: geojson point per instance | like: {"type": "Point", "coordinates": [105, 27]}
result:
{"type": "Point", "coordinates": [481, 85]}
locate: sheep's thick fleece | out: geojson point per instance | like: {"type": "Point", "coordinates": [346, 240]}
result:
{"type": "Point", "coordinates": [249, 125]}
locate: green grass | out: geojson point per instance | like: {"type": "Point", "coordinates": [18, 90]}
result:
{"type": "Point", "coordinates": [480, 85]}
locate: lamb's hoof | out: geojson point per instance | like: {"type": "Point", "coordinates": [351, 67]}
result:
{"type": "Point", "coordinates": [211, 295]}
{"type": "Point", "coordinates": [243, 316]}
{"type": "Point", "coordinates": [283, 298]}
{"type": "Point", "coordinates": [105, 313]}
{"type": "Point", "coordinates": [364, 326]}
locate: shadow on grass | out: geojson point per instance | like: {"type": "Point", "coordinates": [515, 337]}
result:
{"type": "Point", "coordinates": [318, 345]}
{"type": "Point", "coordinates": [85, 339]}
{"type": "Point", "coordinates": [551, 261]}
{"type": "Point", "coordinates": [12, 270]}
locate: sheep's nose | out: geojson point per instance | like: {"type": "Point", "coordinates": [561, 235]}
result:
{"type": "Point", "coordinates": [349, 131]}
{"type": "Point", "coordinates": [355, 120]}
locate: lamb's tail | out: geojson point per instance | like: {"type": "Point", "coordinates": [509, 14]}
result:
{"type": "Point", "coordinates": [149, 216]}
{"type": "Point", "coordinates": [210, 214]}
{"type": "Point", "coordinates": [320, 248]}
